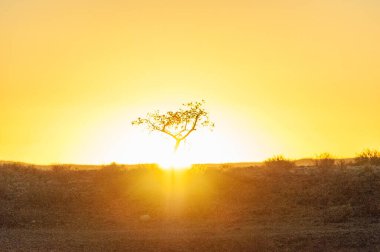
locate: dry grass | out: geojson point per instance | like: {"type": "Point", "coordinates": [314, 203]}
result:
{"type": "Point", "coordinates": [204, 209]}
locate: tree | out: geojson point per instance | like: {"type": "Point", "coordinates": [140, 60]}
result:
{"type": "Point", "coordinates": [177, 124]}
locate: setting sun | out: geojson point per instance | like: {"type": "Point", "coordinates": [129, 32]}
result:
{"type": "Point", "coordinates": [193, 126]}
{"type": "Point", "coordinates": [175, 161]}
{"type": "Point", "coordinates": [284, 79]}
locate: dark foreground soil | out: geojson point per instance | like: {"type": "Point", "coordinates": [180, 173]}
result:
{"type": "Point", "coordinates": [346, 237]}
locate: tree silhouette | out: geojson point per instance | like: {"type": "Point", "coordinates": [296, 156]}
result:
{"type": "Point", "coordinates": [177, 124]}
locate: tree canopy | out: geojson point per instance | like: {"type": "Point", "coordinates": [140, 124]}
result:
{"type": "Point", "coordinates": [177, 124]}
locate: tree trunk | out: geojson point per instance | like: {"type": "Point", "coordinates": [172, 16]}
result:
{"type": "Point", "coordinates": [176, 145]}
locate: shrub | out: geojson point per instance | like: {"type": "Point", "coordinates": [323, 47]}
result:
{"type": "Point", "coordinates": [279, 162]}
{"type": "Point", "coordinates": [369, 157]}
{"type": "Point", "coordinates": [324, 161]}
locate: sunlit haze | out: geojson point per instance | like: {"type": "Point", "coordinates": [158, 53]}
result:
{"type": "Point", "coordinates": [279, 77]}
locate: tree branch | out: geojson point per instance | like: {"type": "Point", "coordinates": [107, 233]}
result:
{"type": "Point", "coordinates": [183, 129]}
{"type": "Point", "coordinates": [193, 127]}
{"type": "Point", "coordinates": [170, 134]}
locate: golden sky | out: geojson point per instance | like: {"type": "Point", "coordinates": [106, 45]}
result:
{"type": "Point", "coordinates": [279, 77]}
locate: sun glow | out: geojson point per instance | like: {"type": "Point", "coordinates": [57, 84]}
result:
{"type": "Point", "coordinates": [75, 73]}
{"type": "Point", "coordinates": [115, 140]}
{"type": "Point", "coordinates": [175, 161]}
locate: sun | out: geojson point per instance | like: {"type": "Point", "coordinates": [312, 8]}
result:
{"type": "Point", "coordinates": [175, 161]}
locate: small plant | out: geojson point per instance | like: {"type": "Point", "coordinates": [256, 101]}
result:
{"type": "Point", "coordinates": [325, 161]}
{"type": "Point", "coordinates": [279, 162]}
{"type": "Point", "coordinates": [368, 157]}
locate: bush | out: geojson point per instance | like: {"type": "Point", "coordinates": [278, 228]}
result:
{"type": "Point", "coordinates": [325, 161]}
{"type": "Point", "coordinates": [368, 157]}
{"type": "Point", "coordinates": [279, 162]}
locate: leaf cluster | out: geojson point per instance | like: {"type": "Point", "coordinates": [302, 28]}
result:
{"type": "Point", "coordinates": [177, 124]}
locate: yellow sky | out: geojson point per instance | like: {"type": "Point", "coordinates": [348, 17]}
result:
{"type": "Point", "coordinates": [292, 77]}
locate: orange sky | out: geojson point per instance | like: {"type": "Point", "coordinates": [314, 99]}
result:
{"type": "Point", "coordinates": [280, 77]}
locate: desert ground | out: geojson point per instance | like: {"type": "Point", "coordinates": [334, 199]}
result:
{"type": "Point", "coordinates": [277, 206]}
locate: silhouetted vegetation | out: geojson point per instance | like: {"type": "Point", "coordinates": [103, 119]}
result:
{"type": "Point", "coordinates": [121, 196]}
{"type": "Point", "coordinates": [178, 124]}
{"type": "Point", "coordinates": [45, 197]}
{"type": "Point", "coordinates": [325, 161]}
{"type": "Point", "coordinates": [279, 163]}
{"type": "Point", "coordinates": [368, 157]}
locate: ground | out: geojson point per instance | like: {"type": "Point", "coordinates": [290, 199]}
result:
{"type": "Point", "coordinates": [237, 237]}
{"type": "Point", "coordinates": [207, 208]}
